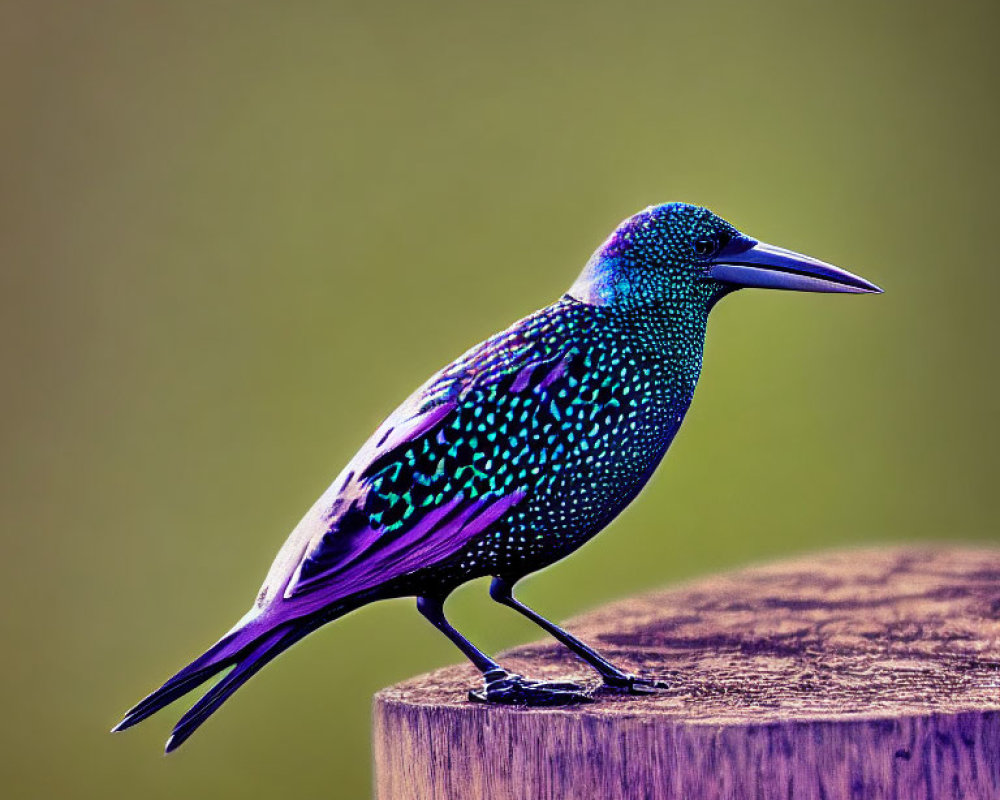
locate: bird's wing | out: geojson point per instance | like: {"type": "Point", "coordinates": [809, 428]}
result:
{"type": "Point", "coordinates": [415, 493]}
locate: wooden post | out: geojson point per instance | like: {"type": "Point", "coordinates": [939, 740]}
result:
{"type": "Point", "coordinates": [869, 674]}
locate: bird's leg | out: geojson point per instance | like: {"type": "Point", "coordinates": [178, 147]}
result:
{"type": "Point", "coordinates": [500, 686]}
{"type": "Point", "coordinates": [502, 591]}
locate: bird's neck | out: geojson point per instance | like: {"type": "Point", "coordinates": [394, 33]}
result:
{"type": "Point", "coordinates": [664, 340]}
{"type": "Point", "coordinates": [673, 334]}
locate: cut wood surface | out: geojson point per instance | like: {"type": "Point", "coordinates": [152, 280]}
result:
{"type": "Point", "coordinates": [868, 674]}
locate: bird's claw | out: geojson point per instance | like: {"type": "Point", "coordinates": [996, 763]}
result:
{"type": "Point", "coordinates": [515, 690]}
{"type": "Point", "coordinates": [632, 684]}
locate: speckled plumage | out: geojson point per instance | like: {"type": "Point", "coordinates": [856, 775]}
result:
{"type": "Point", "coordinates": [513, 455]}
{"type": "Point", "coordinates": [573, 407]}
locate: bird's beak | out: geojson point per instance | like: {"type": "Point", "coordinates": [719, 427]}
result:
{"type": "Point", "coordinates": [745, 262]}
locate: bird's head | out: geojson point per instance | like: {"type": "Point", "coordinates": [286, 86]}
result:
{"type": "Point", "coordinates": [680, 253]}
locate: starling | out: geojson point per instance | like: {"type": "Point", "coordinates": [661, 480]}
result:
{"type": "Point", "coordinates": [512, 456]}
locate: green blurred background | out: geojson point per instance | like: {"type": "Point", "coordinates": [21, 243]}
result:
{"type": "Point", "coordinates": [236, 235]}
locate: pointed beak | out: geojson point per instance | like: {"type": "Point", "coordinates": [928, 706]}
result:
{"type": "Point", "coordinates": [745, 262]}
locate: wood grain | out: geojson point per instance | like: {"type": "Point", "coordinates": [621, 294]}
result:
{"type": "Point", "coordinates": [871, 674]}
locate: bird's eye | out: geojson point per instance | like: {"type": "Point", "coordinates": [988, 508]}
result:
{"type": "Point", "coordinates": [706, 246]}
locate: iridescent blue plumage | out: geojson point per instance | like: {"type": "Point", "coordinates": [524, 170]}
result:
{"type": "Point", "coordinates": [515, 454]}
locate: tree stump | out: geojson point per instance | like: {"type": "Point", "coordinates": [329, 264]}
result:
{"type": "Point", "coordinates": [869, 674]}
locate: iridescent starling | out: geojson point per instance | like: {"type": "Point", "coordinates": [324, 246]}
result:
{"type": "Point", "coordinates": [512, 456]}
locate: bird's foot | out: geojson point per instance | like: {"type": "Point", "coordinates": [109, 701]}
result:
{"type": "Point", "coordinates": [506, 688]}
{"type": "Point", "coordinates": [625, 683]}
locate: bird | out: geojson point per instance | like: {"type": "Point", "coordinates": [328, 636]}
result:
{"type": "Point", "coordinates": [511, 457]}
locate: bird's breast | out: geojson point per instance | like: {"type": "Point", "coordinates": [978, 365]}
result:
{"type": "Point", "coordinates": [585, 446]}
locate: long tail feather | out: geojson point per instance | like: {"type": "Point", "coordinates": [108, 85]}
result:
{"type": "Point", "coordinates": [267, 648]}
{"type": "Point", "coordinates": [254, 642]}
{"type": "Point", "coordinates": [222, 654]}
{"type": "Point", "coordinates": [165, 695]}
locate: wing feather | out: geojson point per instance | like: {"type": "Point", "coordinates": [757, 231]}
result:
{"type": "Point", "coordinates": [394, 510]}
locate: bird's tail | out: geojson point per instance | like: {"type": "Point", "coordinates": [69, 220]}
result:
{"type": "Point", "coordinates": [248, 648]}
